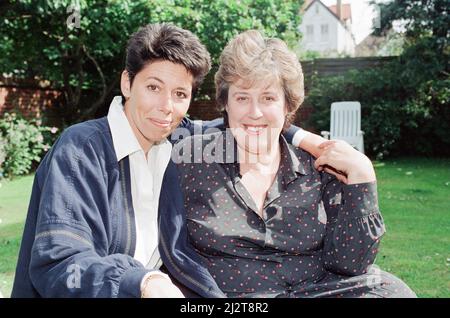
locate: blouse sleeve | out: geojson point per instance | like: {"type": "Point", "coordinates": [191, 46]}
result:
{"type": "Point", "coordinates": [354, 226]}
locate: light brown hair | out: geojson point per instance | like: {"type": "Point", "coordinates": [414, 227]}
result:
{"type": "Point", "coordinates": [252, 57]}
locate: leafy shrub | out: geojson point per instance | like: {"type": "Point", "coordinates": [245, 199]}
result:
{"type": "Point", "coordinates": [404, 109]}
{"type": "Point", "coordinates": [23, 143]}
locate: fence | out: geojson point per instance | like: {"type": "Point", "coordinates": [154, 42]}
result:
{"type": "Point", "coordinates": [338, 66]}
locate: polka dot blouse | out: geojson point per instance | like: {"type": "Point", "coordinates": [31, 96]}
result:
{"type": "Point", "coordinates": [311, 223]}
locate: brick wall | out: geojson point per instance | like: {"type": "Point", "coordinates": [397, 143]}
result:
{"type": "Point", "coordinates": [29, 99]}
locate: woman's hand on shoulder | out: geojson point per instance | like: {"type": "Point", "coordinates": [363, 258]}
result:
{"type": "Point", "coordinates": [346, 163]}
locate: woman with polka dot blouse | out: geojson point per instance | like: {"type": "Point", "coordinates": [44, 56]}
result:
{"type": "Point", "coordinates": [267, 218]}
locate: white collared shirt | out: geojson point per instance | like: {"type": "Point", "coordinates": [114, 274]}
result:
{"type": "Point", "coordinates": [146, 180]}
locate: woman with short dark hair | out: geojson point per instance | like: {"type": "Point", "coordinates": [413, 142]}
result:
{"type": "Point", "coordinates": [91, 229]}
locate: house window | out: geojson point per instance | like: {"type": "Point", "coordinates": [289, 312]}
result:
{"type": "Point", "coordinates": [310, 32]}
{"type": "Point", "coordinates": [324, 32]}
{"type": "Point", "coordinates": [317, 8]}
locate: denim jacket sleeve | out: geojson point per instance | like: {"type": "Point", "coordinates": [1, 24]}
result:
{"type": "Point", "coordinates": [71, 256]}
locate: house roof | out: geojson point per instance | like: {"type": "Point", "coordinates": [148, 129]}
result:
{"type": "Point", "coordinates": [346, 9]}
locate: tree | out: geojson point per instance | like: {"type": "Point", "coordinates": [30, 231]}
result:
{"type": "Point", "coordinates": [423, 18]}
{"type": "Point", "coordinates": [82, 60]}
{"type": "Point", "coordinates": [426, 51]}
{"type": "Point", "coordinates": [426, 23]}
{"type": "Point", "coordinates": [78, 46]}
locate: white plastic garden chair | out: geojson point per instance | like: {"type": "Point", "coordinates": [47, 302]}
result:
{"type": "Point", "coordinates": [345, 124]}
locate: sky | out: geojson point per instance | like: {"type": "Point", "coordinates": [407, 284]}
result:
{"type": "Point", "coordinates": [362, 16]}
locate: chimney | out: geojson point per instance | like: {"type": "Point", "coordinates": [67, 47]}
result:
{"type": "Point", "coordinates": [339, 9]}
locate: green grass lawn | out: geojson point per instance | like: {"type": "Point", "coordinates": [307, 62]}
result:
{"type": "Point", "coordinates": [414, 198]}
{"type": "Point", "coordinates": [14, 197]}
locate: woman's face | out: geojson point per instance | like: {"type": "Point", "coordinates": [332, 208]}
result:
{"type": "Point", "coordinates": [256, 115]}
{"type": "Point", "coordinates": [157, 100]}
